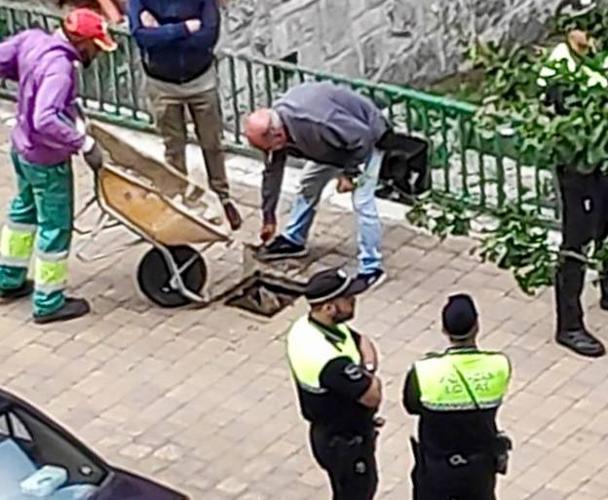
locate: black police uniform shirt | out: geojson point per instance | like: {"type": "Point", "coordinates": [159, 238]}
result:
{"type": "Point", "coordinates": [445, 433]}
{"type": "Point", "coordinates": [338, 410]}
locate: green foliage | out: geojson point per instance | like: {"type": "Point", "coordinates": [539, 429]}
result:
{"type": "Point", "coordinates": [520, 245]}
{"type": "Point", "coordinates": [441, 219]}
{"type": "Point", "coordinates": [512, 99]}
{"type": "Point", "coordinates": [510, 72]}
{"type": "Point", "coordinates": [593, 22]}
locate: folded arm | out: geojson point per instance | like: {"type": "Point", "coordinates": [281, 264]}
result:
{"type": "Point", "coordinates": [150, 38]}
{"type": "Point", "coordinates": [206, 38]}
{"type": "Point", "coordinates": [352, 382]}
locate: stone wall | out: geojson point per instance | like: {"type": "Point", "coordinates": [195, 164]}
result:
{"type": "Point", "coordinates": [401, 41]}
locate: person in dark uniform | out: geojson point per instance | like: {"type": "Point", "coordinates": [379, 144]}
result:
{"type": "Point", "coordinates": [456, 395]}
{"type": "Point", "coordinates": [333, 368]}
{"type": "Point", "coordinates": [583, 196]}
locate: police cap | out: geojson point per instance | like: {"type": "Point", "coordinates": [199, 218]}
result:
{"type": "Point", "coordinates": [332, 284]}
{"type": "Point", "coordinates": [459, 316]}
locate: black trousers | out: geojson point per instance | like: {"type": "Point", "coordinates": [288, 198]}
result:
{"type": "Point", "coordinates": [350, 463]}
{"type": "Point", "coordinates": [584, 205]}
{"type": "Point", "coordinates": [436, 479]}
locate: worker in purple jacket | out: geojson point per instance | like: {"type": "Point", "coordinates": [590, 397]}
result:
{"type": "Point", "coordinates": [48, 132]}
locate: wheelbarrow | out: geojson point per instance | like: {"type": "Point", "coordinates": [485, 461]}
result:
{"type": "Point", "coordinates": [138, 192]}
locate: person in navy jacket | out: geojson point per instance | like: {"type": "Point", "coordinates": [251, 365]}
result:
{"type": "Point", "coordinates": [177, 39]}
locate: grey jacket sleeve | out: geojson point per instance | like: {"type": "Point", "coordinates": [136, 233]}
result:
{"type": "Point", "coordinates": [271, 186]}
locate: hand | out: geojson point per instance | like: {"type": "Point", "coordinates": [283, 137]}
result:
{"type": "Point", "coordinates": [369, 354]}
{"type": "Point", "coordinates": [148, 20]}
{"type": "Point", "coordinates": [94, 157]}
{"type": "Point", "coordinates": [193, 25]}
{"type": "Point", "coordinates": [345, 185]}
{"type": "Point", "coordinates": [267, 232]}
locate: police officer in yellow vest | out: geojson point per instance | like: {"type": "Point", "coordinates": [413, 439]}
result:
{"type": "Point", "coordinates": [333, 368]}
{"type": "Point", "coordinates": [583, 198]}
{"type": "Point", "coordinates": [457, 394]}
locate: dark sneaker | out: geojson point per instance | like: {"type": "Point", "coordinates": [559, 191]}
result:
{"type": "Point", "coordinates": [581, 342]}
{"type": "Point", "coordinates": [72, 309]}
{"type": "Point", "coordinates": [373, 279]}
{"type": "Point", "coordinates": [17, 293]}
{"type": "Point", "coordinates": [232, 214]}
{"type": "Point", "coordinates": [281, 248]}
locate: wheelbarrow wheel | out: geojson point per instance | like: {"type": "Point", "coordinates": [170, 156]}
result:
{"type": "Point", "coordinates": [154, 275]}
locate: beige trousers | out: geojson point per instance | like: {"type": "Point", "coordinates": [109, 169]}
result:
{"type": "Point", "coordinates": [204, 108]}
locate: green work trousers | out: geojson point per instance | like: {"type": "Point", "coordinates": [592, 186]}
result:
{"type": "Point", "coordinates": [42, 211]}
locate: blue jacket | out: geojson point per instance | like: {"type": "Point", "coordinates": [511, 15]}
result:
{"type": "Point", "coordinates": [169, 52]}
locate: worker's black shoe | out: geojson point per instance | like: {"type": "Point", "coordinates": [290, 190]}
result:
{"type": "Point", "coordinates": [24, 290]}
{"type": "Point", "coordinates": [581, 342]}
{"type": "Point", "coordinates": [281, 248]}
{"type": "Point", "coordinates": [232, 214]}
{"type": "Point", "coordinates": [72, 309]}
{"type": "Point", "coordinates": [373, 279]}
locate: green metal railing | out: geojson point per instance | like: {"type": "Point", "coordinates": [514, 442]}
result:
{"type": "Point", "coordinates": [484, 171]}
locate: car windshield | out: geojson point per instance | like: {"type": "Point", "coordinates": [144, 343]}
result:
{"type": "Point", "coordinates": [38, 462]}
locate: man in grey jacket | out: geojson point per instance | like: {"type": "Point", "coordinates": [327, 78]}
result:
{"type": "Point", "coordinates": [338, 131]}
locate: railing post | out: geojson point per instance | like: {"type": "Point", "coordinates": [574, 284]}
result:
{"type": "Point", "coordinates": [235, 100]}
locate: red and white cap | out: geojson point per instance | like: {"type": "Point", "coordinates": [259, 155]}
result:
{"type": "Point", "coordinates": [89, 25]}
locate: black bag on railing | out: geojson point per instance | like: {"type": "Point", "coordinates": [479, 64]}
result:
{"type": "Point", "coordinates": [405, 165]}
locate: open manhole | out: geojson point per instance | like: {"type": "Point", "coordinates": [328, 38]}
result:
{"type": "Point", "coordinates": [264, 295]}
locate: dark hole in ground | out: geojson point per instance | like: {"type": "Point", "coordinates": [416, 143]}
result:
{"type": "Point", "coordinates": [264, 295]}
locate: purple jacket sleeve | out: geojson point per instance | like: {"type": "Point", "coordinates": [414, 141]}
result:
{"type": "Point", "coordinates": [49, 115]}
{"type": "Point", "coordinates": [9, 50]}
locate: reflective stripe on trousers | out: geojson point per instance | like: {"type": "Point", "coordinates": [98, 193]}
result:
{"type": "Point", "coordinates": [44, 201]}
{"type": "Point", "coordinates": [17, 244]}
{"type": "Point", "coordinates": [51, 272]}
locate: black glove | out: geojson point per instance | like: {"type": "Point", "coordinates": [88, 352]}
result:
{"type": "Point", "coordinates": [94, 157]}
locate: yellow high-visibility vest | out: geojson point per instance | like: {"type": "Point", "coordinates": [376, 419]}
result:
{"type": "Point", "coordinates": [562, 52]}
{"type": "Point", "coordinates": [309, 351]}
{"type": "Point", "coordinates": [487, 376]}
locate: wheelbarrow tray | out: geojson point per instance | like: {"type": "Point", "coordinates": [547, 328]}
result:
{"type": "Point", "coordinates": [167, 180]}
{"type": "Point", "coordinates": [138, 192]}
{"type": "Point", "coordinates": [147, 212]}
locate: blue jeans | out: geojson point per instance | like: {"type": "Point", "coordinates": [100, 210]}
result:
{"type": "Point", "coordinates": [369, 231]}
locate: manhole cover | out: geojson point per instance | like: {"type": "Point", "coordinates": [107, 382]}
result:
{"type": "Point", "coordinates": [265, 295]}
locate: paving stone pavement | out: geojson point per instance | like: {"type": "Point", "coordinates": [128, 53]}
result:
{"type": "Point", "coordinates": [202, 399]}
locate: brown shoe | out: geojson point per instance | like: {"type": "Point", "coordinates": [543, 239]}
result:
{"type": "Point", "coordinates": [232, 214]}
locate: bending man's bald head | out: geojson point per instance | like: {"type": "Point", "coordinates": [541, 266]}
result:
{"type": "Point", "coordinates": [264, 130]}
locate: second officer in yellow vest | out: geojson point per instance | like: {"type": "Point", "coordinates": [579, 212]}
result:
{"type": "Point", "coordinates": [583, 195]}
{"type": "Point", "coordinates": [333, 368]}
{"type": "Point", "coordinates": [457, 394]}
